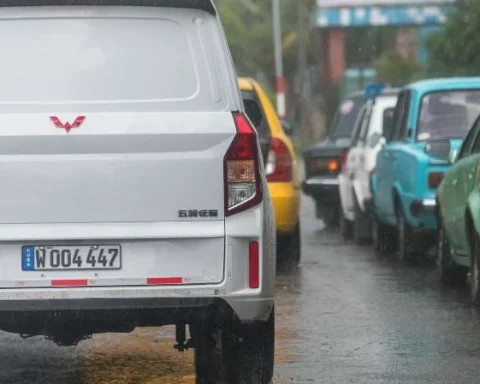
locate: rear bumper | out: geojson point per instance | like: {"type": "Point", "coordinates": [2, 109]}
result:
{"type": "Point", "coordinates": [174, 305]}
{"type": "Point", "coordinates": [286, 204]}
{"type": "Point", "coordinates": [320, 187]}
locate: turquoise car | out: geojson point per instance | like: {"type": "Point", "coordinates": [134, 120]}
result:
{"type": "Point", "coordinates": [430, 121]}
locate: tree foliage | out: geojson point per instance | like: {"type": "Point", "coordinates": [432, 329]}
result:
{"type": "Point", "coordinates": [395, 69]}
{"type": "Point", "coordinates": [454, 50]}
{"type": "Point", "coordinates": [248, 26]}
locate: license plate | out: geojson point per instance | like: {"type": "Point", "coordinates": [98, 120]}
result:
{"type": "Point", "coordinates": [319, 165]}
{"type": "Point", "coordinates": [81, 257]}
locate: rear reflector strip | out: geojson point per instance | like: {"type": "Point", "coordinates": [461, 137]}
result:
{"type": "Point", "coordinates": [253, 265]}
{"type": "Point", "coordinates": [70, 283]}
{"type": "Point", "coordinates": [164, 280]}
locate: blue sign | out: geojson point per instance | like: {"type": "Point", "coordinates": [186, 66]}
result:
{"type": "Point", "coordinates": [369, 16]}
{"type": "Point", "coordinates": [28, 258]}
{"type": "Point", "coordinates": [373, 90]}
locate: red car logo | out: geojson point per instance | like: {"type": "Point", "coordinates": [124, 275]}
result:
{"type": "Point", "coordinates": [67, 126]}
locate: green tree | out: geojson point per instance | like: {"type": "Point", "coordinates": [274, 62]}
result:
{"type": "Point", "coordinates": [395, 69]}
{"type": "Point", "coordinates": [454, 50]}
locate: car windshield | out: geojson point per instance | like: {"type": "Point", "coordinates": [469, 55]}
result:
{"type": "Point", "coordinates": [346, 117]}
{"type": "Point", "coordinates": [447, 114]}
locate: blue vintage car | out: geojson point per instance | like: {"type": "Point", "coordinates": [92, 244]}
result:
{"type": "Point", "coordinates": [430, 120]}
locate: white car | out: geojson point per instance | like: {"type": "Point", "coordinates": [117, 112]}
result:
{"type": "Point", "coordinates": [133, 191]}
{"type": "Point", "coordinates": [354, 180]}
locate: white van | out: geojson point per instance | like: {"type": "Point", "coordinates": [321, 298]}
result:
{"type": "Point", "coordinates": [133, 191]}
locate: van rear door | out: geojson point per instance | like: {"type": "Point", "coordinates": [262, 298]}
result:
{"type": "Point", "coordinates": [114, 122]}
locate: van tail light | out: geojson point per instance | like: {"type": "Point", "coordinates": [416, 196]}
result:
{"type": "Point", "coordinates": [243, 187]}
{"type": "Point", "coordinates": [279, 162]}
{"type": "Point", "coordinates": [343, 160]}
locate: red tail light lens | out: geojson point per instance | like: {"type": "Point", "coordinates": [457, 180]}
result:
{"type": "Point", "coordinates": [243, 188]}
{"type": "Point", "coordinates": [253, 265]}
{"type": "Point", "coordinates": [279, 162]}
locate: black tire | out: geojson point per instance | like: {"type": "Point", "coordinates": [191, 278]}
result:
{"type": "Point", "coordinates": [449, 273]}
{"type": "Point", "coordinates": [383, 238]}
{"type": "Point", "coordinates": [345, 226]}
{"type": "Point", "coordinates": [289, 247]}
{"type": "Point", "coordinates": [331, 218]}
{"type": "Point", "coordinates": [209, 356]}
{"type": "Point", "coordinates": [362, 231]}
{"type": "Point", "coordinates": [475, 271]}
{"type": "Point", "coordinates": [241, 355]}
{"type": "Point", "coordinates": [251, 353]}
{"type": "Point", "coordinates": [405, 250]}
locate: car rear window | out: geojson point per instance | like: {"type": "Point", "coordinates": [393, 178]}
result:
{"type": "Point", "coordinates": [107, 55]}
{"type": "Point", "coordinates": [346, 117]}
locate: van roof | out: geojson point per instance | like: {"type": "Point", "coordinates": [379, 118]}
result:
{"type": "Point", "coordinates": [205, 5]}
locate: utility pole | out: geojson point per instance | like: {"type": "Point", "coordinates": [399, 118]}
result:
{"type": "Point", "coordinates": [277, 42]}
{"type": "Point", "coordinates": [302, 32]}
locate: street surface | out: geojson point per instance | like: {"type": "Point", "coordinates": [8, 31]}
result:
{"type": "Point", "coordinates": [344, 316]}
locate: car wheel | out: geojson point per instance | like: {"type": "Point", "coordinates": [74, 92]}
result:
{"type": "Point", "coordinates": [475, 271]}
{"type": "Point", "coordinates": [382, 237]}
{"type": "Point", "coordinates": [289, 247]}
{"type": "Point", "coordinates": [449, 273]}
{"type": "Point", "coordinates": [345, 226]}
{"type": "Point", "coordinates": [405, 241]}
{"type": "Point", "coordinates": [243, 354]}
{"type": "Point", "coordinates": [250, 353]}
{"type": "Point", "coordinates": [361, 226]}
{"type": "Point", "coordinates": [209, 356]}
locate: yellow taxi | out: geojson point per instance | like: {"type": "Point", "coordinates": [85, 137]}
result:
{"type": "Point", "coordinates": [280, 167]}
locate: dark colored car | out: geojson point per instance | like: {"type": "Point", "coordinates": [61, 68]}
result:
{"type": "Point", "coordinates": [324, 161]}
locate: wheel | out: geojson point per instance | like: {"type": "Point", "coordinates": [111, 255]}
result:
{"type": "Point", "coordinates": [289, 247]}
{"type": "Point", "coordinates": [382, 237]}
{"type": "Point", "coordinates": [449, 273]}
{"type": "Point", "coordinates": [475, 271]}
{"type": "Point", "coordinates": [405, 250]}
{"type": "Point", "coordinates": [361, 226]}
{"type": "Point", "coordinates": [345, 226]}
{"type": "Point", "coordinates": [242, 355]}
{"type": "Point", "coordinates": [330, 217]}
{"type": "Point", "coordinates": [209, 357]}
{"type": "Point", "coordinates": [251, 353]}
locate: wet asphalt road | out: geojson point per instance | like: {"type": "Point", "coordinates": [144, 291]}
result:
{"type": "Point", "coordinates": [344, 316]}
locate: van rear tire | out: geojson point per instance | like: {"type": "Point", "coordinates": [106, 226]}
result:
{"type": "Point", "coordinates": [242, 355]}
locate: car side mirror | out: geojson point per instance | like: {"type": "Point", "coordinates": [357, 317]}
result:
{"type": "Point", "coordinates": [287, 127]}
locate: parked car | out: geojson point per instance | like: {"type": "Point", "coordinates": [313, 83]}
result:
{"type": "Point", "coordinates": [133, 191]}
{"type": "Point", "coordinates": [458, 215]}
{"type": "Point", "coordinates": [431, 119]}
{"type": "Point", "coordinates": [280, 168]}
{"type": "Point", "coordinates": [354, 179]}
{"type": "Point", "coordinates": [324, 161]}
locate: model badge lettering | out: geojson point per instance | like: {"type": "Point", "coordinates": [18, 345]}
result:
{"type": "Point", "coordinates": [195, 213]}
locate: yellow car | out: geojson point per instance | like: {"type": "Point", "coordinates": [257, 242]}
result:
{"type": "Point", "coordinates": [280, 167]}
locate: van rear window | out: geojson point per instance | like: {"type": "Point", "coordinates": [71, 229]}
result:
{"type": "Point", "coordinates": [109, 59]}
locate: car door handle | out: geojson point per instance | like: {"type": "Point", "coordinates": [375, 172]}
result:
{"type": "Point", "coordinates": [352, 176]}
